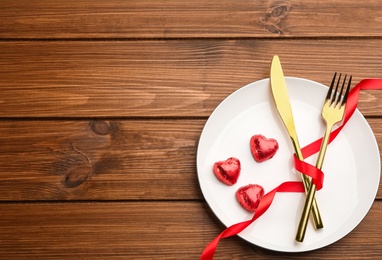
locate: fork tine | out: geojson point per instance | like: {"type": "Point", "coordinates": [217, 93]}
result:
{"type": "Point", "coordinates": [339, 95]}
{"type": "Point", "coordinates": [334, 96]}
{"type": "Point", "coordinates": [329, 95]}
{"type": "Point", "coordinates": [346, 92]}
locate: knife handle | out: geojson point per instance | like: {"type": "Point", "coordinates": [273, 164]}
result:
{"type": "Point", "coordinates": [310, 200]}
{"type": "Point", "coordinates": [310, 191]}
{"type": "Point", "coordinates": [303, 222]}
{"type": "Point", "coordinates": [317, 220]}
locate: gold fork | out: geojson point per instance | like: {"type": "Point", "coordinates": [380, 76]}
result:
{"type": "Point", "coordinates": [332, 112]}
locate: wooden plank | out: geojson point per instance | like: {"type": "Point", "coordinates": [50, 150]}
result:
{"type": "Point", "coordinates": [165, 78]}
{"type": "Point", "coordinates": [103, 160]}
{"type": "Point", "coordinates": [98, 160]}
{"type": "Point", "coordinates": [148, 230]}
{"type": "Point", "coordinates": [200, 18]}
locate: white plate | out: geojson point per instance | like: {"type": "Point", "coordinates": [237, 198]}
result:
{"type": "Point", "coordinates": [351, 166]}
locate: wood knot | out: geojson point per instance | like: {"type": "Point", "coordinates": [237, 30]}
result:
{"type": "Point", "coordinates": [279, 11]}
{"type": "Point", "coordinates": [74, 165]}
{"type": "Point", "coordinates": [100, 127]}
{"type": "Point", "coordinates": [275, 20]}
{"type": "Point", "coordinates": [77, 175]}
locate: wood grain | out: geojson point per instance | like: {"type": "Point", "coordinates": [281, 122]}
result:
{"type": "Point", "coordinates": [136, 230]}
{"type": "Point", "coordinates": [103, 160]}
{"type": "Point", "coordinates": [188, 19]}
{"type": "Point", "coordinates": [165, 78]}
{"type": "Point", "coordinates": [99, 160]}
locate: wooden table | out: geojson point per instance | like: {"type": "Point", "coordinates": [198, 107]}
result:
{"type": "Point", "coordinates": [102, 104]}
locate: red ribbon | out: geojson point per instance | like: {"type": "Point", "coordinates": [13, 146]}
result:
{"type": "Point", "coordinates": [301, 166]}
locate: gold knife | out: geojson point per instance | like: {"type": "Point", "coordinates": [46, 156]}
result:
{"type": "Point", "coordinates": [281, 98]}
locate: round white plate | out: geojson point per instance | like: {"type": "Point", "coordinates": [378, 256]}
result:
{"type": "Point", "coordinates": [351, 166]}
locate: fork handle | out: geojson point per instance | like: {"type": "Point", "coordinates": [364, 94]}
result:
{"type": "Point", "coordinates": [317, 221]}
{"type": "Point", "coordinates": [310, 200]}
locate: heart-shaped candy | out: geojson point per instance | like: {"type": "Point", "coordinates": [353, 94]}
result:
{"type": "Point", "coordinates": [263, 148]}
{"type": "Point", "coordinates": [249, 196]}
{"type": "Point", "coordinates": [227, 171]}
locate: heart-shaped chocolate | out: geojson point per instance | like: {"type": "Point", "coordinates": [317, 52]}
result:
{"type": "Point", "coordinates": [227, 171]}
{"type": "Point", "coordinates": [249, 196]}
{"type": "Point", "coordinates": [263, 148]}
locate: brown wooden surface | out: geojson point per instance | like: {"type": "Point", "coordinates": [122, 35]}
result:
{"type": "Point", "coordinates": [190, 19]}
{"type": "Point", "coordinates": [148, 78]}
{"type": "Point", "coordinates": [102, 104]}
{"type": "Point", "coordinates": [149, 230]}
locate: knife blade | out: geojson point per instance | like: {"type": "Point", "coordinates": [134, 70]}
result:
{"type": "Point", "coordinates": [281, 98]}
